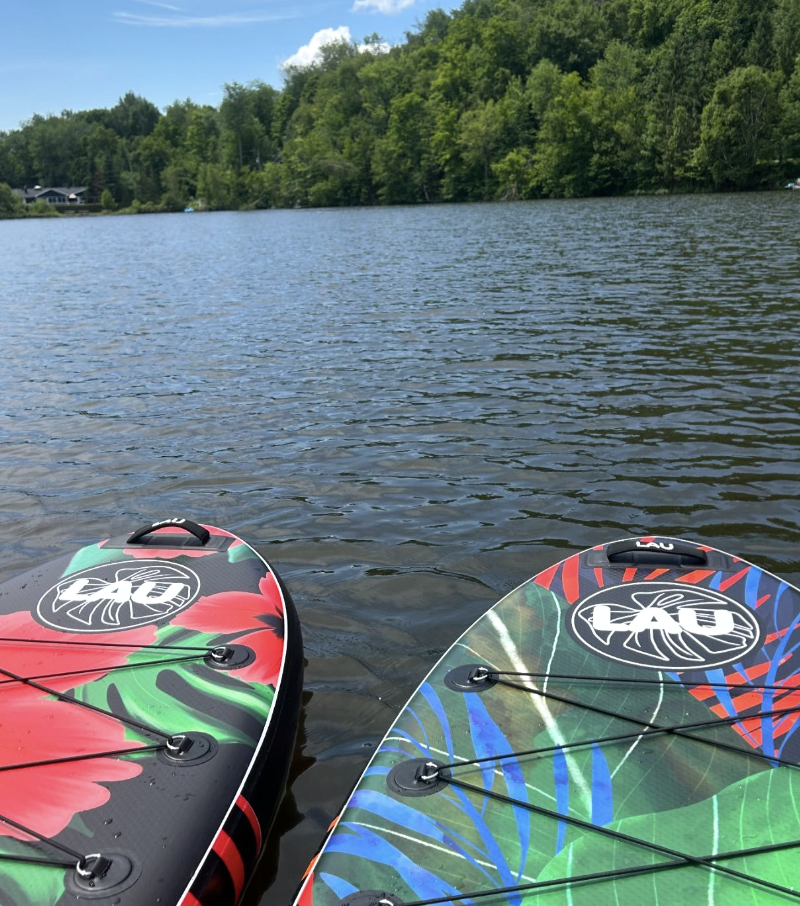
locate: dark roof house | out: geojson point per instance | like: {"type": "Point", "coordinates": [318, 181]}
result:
{"type": "Point", "coordinates": [53, 195]}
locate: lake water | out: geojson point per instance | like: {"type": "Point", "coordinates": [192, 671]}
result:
{"type": "Point", "coordinates": [408, 411]}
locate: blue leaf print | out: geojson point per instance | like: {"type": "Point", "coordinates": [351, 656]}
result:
{"type": "Point", "coordinates": [414, 714]}
{"type": "Point", "coordinates": [398, 812]}
{"type": "Point", "coordinates": [602, 792]}
{"type": "Point", "coordinates": [406, 816]}
{"type": "Point", "coordinates": [487, 836]}
{"type": "Point", "coordinates": [488, 740]}
{"type": "Point", "coordinates": [436, 706]}
{"type": "Point", "coordinates": [367, 845]}
{"type": "Point", "coordinates": [339, 886]}
{"type": "Point", "coordinates": [751, 587]}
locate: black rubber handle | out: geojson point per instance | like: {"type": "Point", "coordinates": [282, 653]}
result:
{"type": "Point", "coordinates": [202, 534]}
{"type": "Point", "coordinates": [637, 550]}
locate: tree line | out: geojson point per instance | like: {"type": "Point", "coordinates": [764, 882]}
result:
{"type": "Point", "coordinates": [499, 99]}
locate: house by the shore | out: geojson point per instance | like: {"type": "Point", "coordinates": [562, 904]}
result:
{"type": "Point", "coordinates": [59, 195]}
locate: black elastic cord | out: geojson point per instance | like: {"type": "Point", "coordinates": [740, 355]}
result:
{"type": "Point", "coordinates": [650, 730]}
{"type": "Point", "coordinates": [677, 730]}
{"type": "Point", "coordinates": [678, 859]}
{"type": "Point", "coordinates": [637, 681]}
{"type": "Point", "coordinates": [29, 681]}
{"type": "Point", "coordinates": [68, 759]}
{"type": "Point", "coordinates": [29, 860]}
{"type": "Point", "coordinates": [79, 857]}
{"type": "Point", "coordinates": [611, 875]}
{"type": "Point", "coordinates": [699, 861]}
{"type": "Point", "coordinates": [66, 673]}
{"type": "Point", "coordinates": [106, 644]}
{"type": "Point", "coordinates": [74, 701]}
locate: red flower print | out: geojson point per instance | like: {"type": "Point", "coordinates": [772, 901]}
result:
{"type": "Point", "coordinates": [268, 649]}
{"type": "Point", "coordinates": [60, 654]}
{"type": "Point", "coordinates": [232, 613]}
{"type": "Point", "coordinates": [35, 727]}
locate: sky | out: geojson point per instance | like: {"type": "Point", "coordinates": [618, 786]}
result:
{"type": "Point", "coordinates": [78, 54]}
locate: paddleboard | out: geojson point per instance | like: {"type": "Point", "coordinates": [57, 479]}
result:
{"type": "Point", "coordinates": [622, 728]}
{"type": "Point", "coordinates": [149, 698]}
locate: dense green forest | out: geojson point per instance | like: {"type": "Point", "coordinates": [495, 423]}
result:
{"type": "Point", "coordinates": [499, 99]}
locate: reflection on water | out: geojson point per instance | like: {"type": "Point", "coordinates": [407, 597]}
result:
{"type": "Point", "coordinates": [408, 411]}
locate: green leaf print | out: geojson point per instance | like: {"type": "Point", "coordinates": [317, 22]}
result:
{"type": "Point", "coordinates": [142, 692]}
{"type": "Point", "coordinates": [754, 812]}
{"type": "Point", "coordinates": [28, 885]}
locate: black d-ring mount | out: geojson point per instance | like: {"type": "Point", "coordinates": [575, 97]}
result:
{"type": "Point", "coordinates": [103, 875]}
{"type": "Point", "coordinates": [202, 534]}
{"type": "Point", "coordinates": [470, 678]}
{"type": "Point", "coordinates": [230, 657]}
{"type": "Point", "coordinates": [188, 749]}
{"type": "Point", "coordinates": [417, 777]}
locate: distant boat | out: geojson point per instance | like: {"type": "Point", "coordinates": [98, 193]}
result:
{"type": "Point", "coordinates": [191, 210]}
{"type": "Point", "coordinates": [794, 185]}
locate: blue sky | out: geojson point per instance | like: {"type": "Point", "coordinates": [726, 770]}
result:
{"type": "Point", "coordinates": [77, 54]}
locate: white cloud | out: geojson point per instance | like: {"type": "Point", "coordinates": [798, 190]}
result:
{"type": "Point", "coordinates": [194, 21]}
{"type": "Point", "coordinates": [174, 9]}
{"type": "Point", "coordinates": [382, 6]}
{"type": "Point", "coordinates": [310, 53]}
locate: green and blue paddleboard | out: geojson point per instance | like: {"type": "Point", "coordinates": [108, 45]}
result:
{"type": "Point", "coordinates": [620, 729]}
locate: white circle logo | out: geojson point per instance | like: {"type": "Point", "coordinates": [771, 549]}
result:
{"type": "Point", "coordinates": [665, 626]}
{"type": "Point", "coordinates": [118, 596]}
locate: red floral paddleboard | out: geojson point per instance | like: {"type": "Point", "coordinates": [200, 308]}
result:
{"type": "Point", "coordinates": [149, 698]}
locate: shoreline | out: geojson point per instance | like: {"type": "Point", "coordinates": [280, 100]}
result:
{"type": "Point", "coordinates": [53, 214]}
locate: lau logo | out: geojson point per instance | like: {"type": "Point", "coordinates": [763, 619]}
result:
{"type": "Point", "coordinates": [665, 626]}
{"type": "Point", "coordinates": [118, 596]}
{"type": "Point", "coordinates": [656, 618]}
{"type": "Point", "coordinates": [655, 545]}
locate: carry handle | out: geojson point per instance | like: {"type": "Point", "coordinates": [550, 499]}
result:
{"type": "Point", "coordinates": [202, 534]}
{"type": "Point", "coordinates": [654, 550]}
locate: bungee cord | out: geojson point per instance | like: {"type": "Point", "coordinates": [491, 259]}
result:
{"type": "Point", "coordinates": [171, 742]}
{"type": "Point", "coordinates": [484, 678]}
